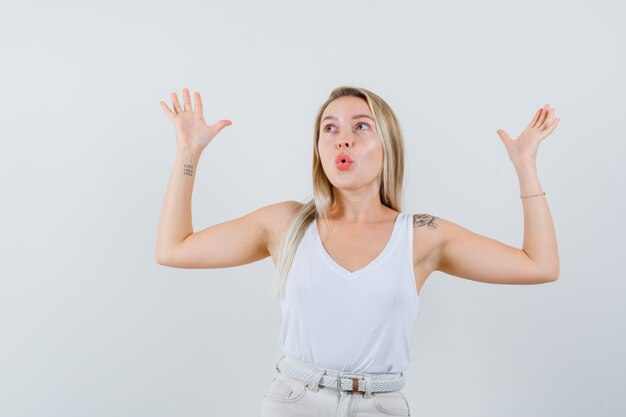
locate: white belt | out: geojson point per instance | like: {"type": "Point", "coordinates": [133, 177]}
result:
{"type": "Point", "coordinates": [340, 382]}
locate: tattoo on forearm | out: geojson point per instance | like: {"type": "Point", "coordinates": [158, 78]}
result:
{"type": "Point", "coordinates": [424, 220]}
{"type": "Point", "coordinates": [188, 170]}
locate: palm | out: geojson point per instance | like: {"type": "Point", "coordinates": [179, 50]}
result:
{"type": "Point", "coordinates": [524, 148]}
{"type": "Point", "coordinates": [191, 129]}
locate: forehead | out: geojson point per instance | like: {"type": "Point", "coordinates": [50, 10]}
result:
{"type": "Point", "coordinates": [345, 107]}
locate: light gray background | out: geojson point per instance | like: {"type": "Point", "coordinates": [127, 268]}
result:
{"type": "Point", "coordinates": [92, 326]}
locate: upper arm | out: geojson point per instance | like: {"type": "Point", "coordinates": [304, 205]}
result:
{"type": "Point", "coordinates": [236, 242]}
{"type": "Point", "coordinates": [463, 253]}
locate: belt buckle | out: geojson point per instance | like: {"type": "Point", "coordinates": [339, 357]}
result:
{"type": "Point", "coordinates": [355, 384]}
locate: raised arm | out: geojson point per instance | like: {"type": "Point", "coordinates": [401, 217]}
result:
{"type": "Point", "coordinates": [236, 242]}
{"type": "Point", "coordinates": [463, 253]}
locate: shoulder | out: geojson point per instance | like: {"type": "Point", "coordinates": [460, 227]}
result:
{"type": "Point", "coordinates": [276, 214]}
{"type": "Point", "coordinates": [436, 232]}
{"type": "Point", "coordinates": [276, 217]}
{"type": "Point", "coordinates": [427, 238]}
{"type": "Point", "coordinates": [424, 220]}
{"type": "Point", "coordinates": [283, 211]}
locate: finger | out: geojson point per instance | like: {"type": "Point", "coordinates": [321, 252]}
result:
{"type": "Point", "coordinates": [186, 100]}
{"type": "Point", "coordinates": [542, 117]}
{"type": "Point", "coordinates": [552, 126]}
{"type": "Point", "coordinates": [221, 125]}
{"type": "Point", "coordinates": [534, 120]}
{"type": "Point", "coordinates": [176, 104]}
{"type": "Point", "coordinates": [548, 119]}
{"type": "Point", "coordinates": [167, 110]}
{"type": "Point", "coordinates": [198, 102]}
{"type": "Point", "coordinates": [504, 136]}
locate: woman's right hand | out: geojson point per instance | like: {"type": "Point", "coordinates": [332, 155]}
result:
{"type": "Point", "coordinates": [192, 132]}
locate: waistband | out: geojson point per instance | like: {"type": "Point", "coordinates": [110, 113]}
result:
{"type": "Point", "coordinates": [339, 380]}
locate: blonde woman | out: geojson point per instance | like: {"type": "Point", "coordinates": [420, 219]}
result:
{"type": "Point", "coordinates": [349, 262]}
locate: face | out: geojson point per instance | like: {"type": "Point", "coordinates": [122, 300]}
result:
{"type": "Point", "coordinates": [347, 128]}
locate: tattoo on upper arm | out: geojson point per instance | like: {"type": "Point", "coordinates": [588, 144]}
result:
{"type": "Point", "coordinates": [424, 220]}
{"type": "Point", "coordinates": [188, 170]}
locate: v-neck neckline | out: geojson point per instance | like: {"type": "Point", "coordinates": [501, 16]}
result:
{"type": "Point", "coordinates": [374, 262]}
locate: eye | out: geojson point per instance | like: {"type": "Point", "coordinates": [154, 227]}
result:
{"type": "Point", "coordinates": [363, 124]}
{"type": "Point", "coordinates": [326, 127]}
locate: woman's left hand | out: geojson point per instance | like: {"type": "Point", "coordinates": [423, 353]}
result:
{"type": "Point", "coordinates": [523, 150]}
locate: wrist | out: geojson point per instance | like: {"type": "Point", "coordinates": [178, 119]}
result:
{"type": "Point", "coordinates": [526, 167]}
{"type": "Point", "coordinates": [189, 152]}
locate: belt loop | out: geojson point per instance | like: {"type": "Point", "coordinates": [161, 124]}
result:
{"type": "Point", "coordinates": [280, 358]}
{"type": "Point", "coordinates": [368, 386]}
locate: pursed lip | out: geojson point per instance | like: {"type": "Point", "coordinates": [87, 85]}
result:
{"type": "Point", "coordinates": [341, 157]}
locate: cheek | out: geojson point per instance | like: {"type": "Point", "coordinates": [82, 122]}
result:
{"type": "Point", "coordinates": [325, 147]}
{"type": "Point", "coordinates": [323, 153]}
{"type": "Point", "coordinates": [373, 151]}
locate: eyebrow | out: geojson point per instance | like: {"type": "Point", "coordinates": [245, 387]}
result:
{"type": "Point", "coordinates": [358, 116]}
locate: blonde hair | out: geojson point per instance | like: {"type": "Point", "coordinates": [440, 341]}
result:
{"type": "Point", "coordinates": [392, 176]}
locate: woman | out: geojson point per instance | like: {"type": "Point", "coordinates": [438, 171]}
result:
{"type": "Point", "coordinates": [349, 285]}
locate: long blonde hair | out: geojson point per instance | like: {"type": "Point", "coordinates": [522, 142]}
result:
{"type": "Point", "coordinates": [392, 176]}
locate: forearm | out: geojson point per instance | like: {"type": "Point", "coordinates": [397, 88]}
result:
{"type": "Point", "coordinates": [175, 221]}
{"type": "Point", "coordinates": [539, 235]}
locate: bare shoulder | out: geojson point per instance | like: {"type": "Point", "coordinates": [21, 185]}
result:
{"type": "Point", "coordinates": [277, 217]}
{"type": "Point", "coordinates": [429, 234]}
{"type": "Point", "coordinates": [426, 239]}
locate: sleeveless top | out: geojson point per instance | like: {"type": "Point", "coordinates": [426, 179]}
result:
{"type": "Point", "coordinates": [358, 322]}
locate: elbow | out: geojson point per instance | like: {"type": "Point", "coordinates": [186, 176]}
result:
{"type": "Point", "coordinates": [545, 274]}
{"type": "Point", "coordinates": [160, 258]}
{"type": "Point", "coordinates": [167, 254]}
{"type": "Point", "coordinates": [552, 276]}
{"type": "Point", "coordinates": [543, 277]}
{"type": "Point", "coordinates": [555, 272]}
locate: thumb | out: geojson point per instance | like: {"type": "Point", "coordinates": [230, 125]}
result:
{"type": "Point", "coordinates": [504, 136]}
{"type": "Point", "coordinates": [222, 124]}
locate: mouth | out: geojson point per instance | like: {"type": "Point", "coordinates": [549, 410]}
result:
{"type": "Point", "coordinates": [343, 164]}
{"type": "Point", "coordinates": [343, 158]}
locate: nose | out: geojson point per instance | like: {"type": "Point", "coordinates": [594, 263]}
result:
{"type": "Point", "coordinates": [344, 142]}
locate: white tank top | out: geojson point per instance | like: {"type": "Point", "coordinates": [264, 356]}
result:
{"type": "Point", "coordinates": [346, 321]}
